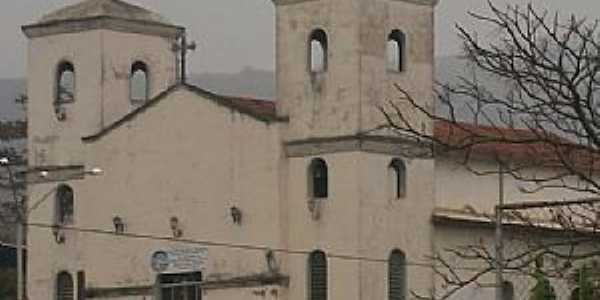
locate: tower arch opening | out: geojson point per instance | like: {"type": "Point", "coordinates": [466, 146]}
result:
{"type": "Point", "coordinates": [396, 51]}
{"type": "Point", "coordinates": [318, 51]}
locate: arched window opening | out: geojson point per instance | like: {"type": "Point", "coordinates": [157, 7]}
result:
{"type": "Point", "coordinates": [396, 51]}
{"type": "Point", "coordinates": [318, 181]}
{"type": "Point", "coordinates": [64, 205]}
{"type": "Point", "coordinates": [318, 51]}
{"type": "Point", "coordinates": [317, 276]}
{"type": "Point", "coordinates": [397, 178]}
{"type": "Point", "coordinates": [397, 277]}
{"type": "Point", "coordinates": [65, 89]}
{"type": "Point", "coordinates": [138, 83]}
{"type": "Point", "coordinates": [508, 291]}
{"type": "Point", "coordinates": [65, 83]}
{"type": "Point", "coordinates": [64, 286]}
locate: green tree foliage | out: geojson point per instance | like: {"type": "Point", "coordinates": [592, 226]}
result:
{"type": "Point", "coordinates": [8, 284]}
{"type": "Point", "coordinates": [542, 290]}
{"type": "Point", "coordinates": [586, 283]}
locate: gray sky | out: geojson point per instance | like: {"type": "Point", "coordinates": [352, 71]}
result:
{"type": "Point", "coordinates": [233, 34]}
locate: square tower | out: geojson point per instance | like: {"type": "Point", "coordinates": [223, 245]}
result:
{"type": "Point", "coordinates": [365, 209]}
{"type": "Point", "coordinates": [338, 60]}
{"type": "Point", "coordinates": [89, 64]}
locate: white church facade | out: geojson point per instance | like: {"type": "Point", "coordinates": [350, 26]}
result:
{"type": "Point", "coordinates": [205, 196]}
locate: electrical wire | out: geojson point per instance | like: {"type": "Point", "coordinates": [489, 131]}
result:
{"type": "Point", "coordinates": [231, 245]}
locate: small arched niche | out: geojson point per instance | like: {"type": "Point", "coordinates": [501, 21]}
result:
{"type": "Point", "coordinates": [138, 83]}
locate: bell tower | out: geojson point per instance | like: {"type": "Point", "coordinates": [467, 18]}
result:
{"type": "Point", "coordinates": [90, 64]}
{"type": "Point", "coordinates": [367, 196]}
{"type": "Point", "coordinates": [337, 60]}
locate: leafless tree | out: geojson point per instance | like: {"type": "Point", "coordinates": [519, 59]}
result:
{"type": "Point", "coordinates": [10, 134]}
{"type": "Point", "coordinates": [547, 117]}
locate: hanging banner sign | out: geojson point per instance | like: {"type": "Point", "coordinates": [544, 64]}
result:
{"type": "Point", "coordinates": [180, 260]}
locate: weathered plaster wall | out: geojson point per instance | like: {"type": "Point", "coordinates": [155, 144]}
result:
{"type": "Point", "coordinates": [456, 186]}
{"type": "Point", "coordinates": [50, 141]}
{"type": "Point", "coordinates": [345, 99]}
{"type": "Point", "coordinates": [323, 104]}
{"type": "Point", "coordinates": [102, 61]}
{"type": "Point", "coordinates": [378, 84]}
{"type": "Point", "coordinates": [360, 219]}
{"type": "Point", "coordinates": [186, 157]}
{"type": "Point", "coordinates": [120, 51]}
{"type": "Point", "coordinates": [387, 223]}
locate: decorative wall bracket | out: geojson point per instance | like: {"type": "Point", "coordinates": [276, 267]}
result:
{"type": "Point", "coordinates": [59, 235]}
{"type": "Point", "coordinates": [314, 207]}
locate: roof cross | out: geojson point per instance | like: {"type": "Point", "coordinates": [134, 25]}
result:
{"type": "Point", "coordinates": [183, 47]}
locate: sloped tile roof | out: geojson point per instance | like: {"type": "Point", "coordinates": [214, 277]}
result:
{"type": "Point", "coordinates": [541, 149]}
{"type": "Point", "coordinates": [261, 110]}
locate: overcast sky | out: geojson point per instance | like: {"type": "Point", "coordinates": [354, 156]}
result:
{"type": "Point", "coordinates": [233, 34]}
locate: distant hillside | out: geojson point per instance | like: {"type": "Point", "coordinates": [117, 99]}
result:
{"type": "Point", "coordinates": [248, 82]}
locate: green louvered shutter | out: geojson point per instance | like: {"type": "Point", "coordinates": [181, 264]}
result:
{"type": "Point", "coordinates": [397, 276]}
{"type": "Point", "coordinates": [320, 178]}
{"type": "Point", "coordinates": [64, 286]}
{"type": "Point", "coordinates": [318, 276]}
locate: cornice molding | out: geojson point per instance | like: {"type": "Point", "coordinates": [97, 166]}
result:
{"type": "Point", "coordinates": [102, 22]}
{"type": "Point", "coordinates": [417, 2]}
{"type": "Point", "coordinates": [389, 145]}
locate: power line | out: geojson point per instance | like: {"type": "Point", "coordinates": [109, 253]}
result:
{"type": "Point", "coordinates": [231, 245]}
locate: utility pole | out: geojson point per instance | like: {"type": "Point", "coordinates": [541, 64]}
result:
{"type": "Point", "coordinates": [21, 219]}
{"type": "Point", "coordinates": [22, 216]}
{"type": "Point", "coordinates": [499, 245]}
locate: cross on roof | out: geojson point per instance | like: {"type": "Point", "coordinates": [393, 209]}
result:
{"type": "Point", "coordinates": [183, 47]}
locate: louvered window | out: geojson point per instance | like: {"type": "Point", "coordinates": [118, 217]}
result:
{"type": "Point", "coordinates": [317, 276]}
{"type": "Point", "coordinates": [398, 178]}
{"type": "Point", "coordinates": [64, 286]}
{"type": "Point", "coordinates": [319, 178]}
{"type": "Point", "coordinates": [397, 276]}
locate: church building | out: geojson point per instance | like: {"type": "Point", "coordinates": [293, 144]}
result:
{"type": "Point", "coordinates": [146, 187]}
